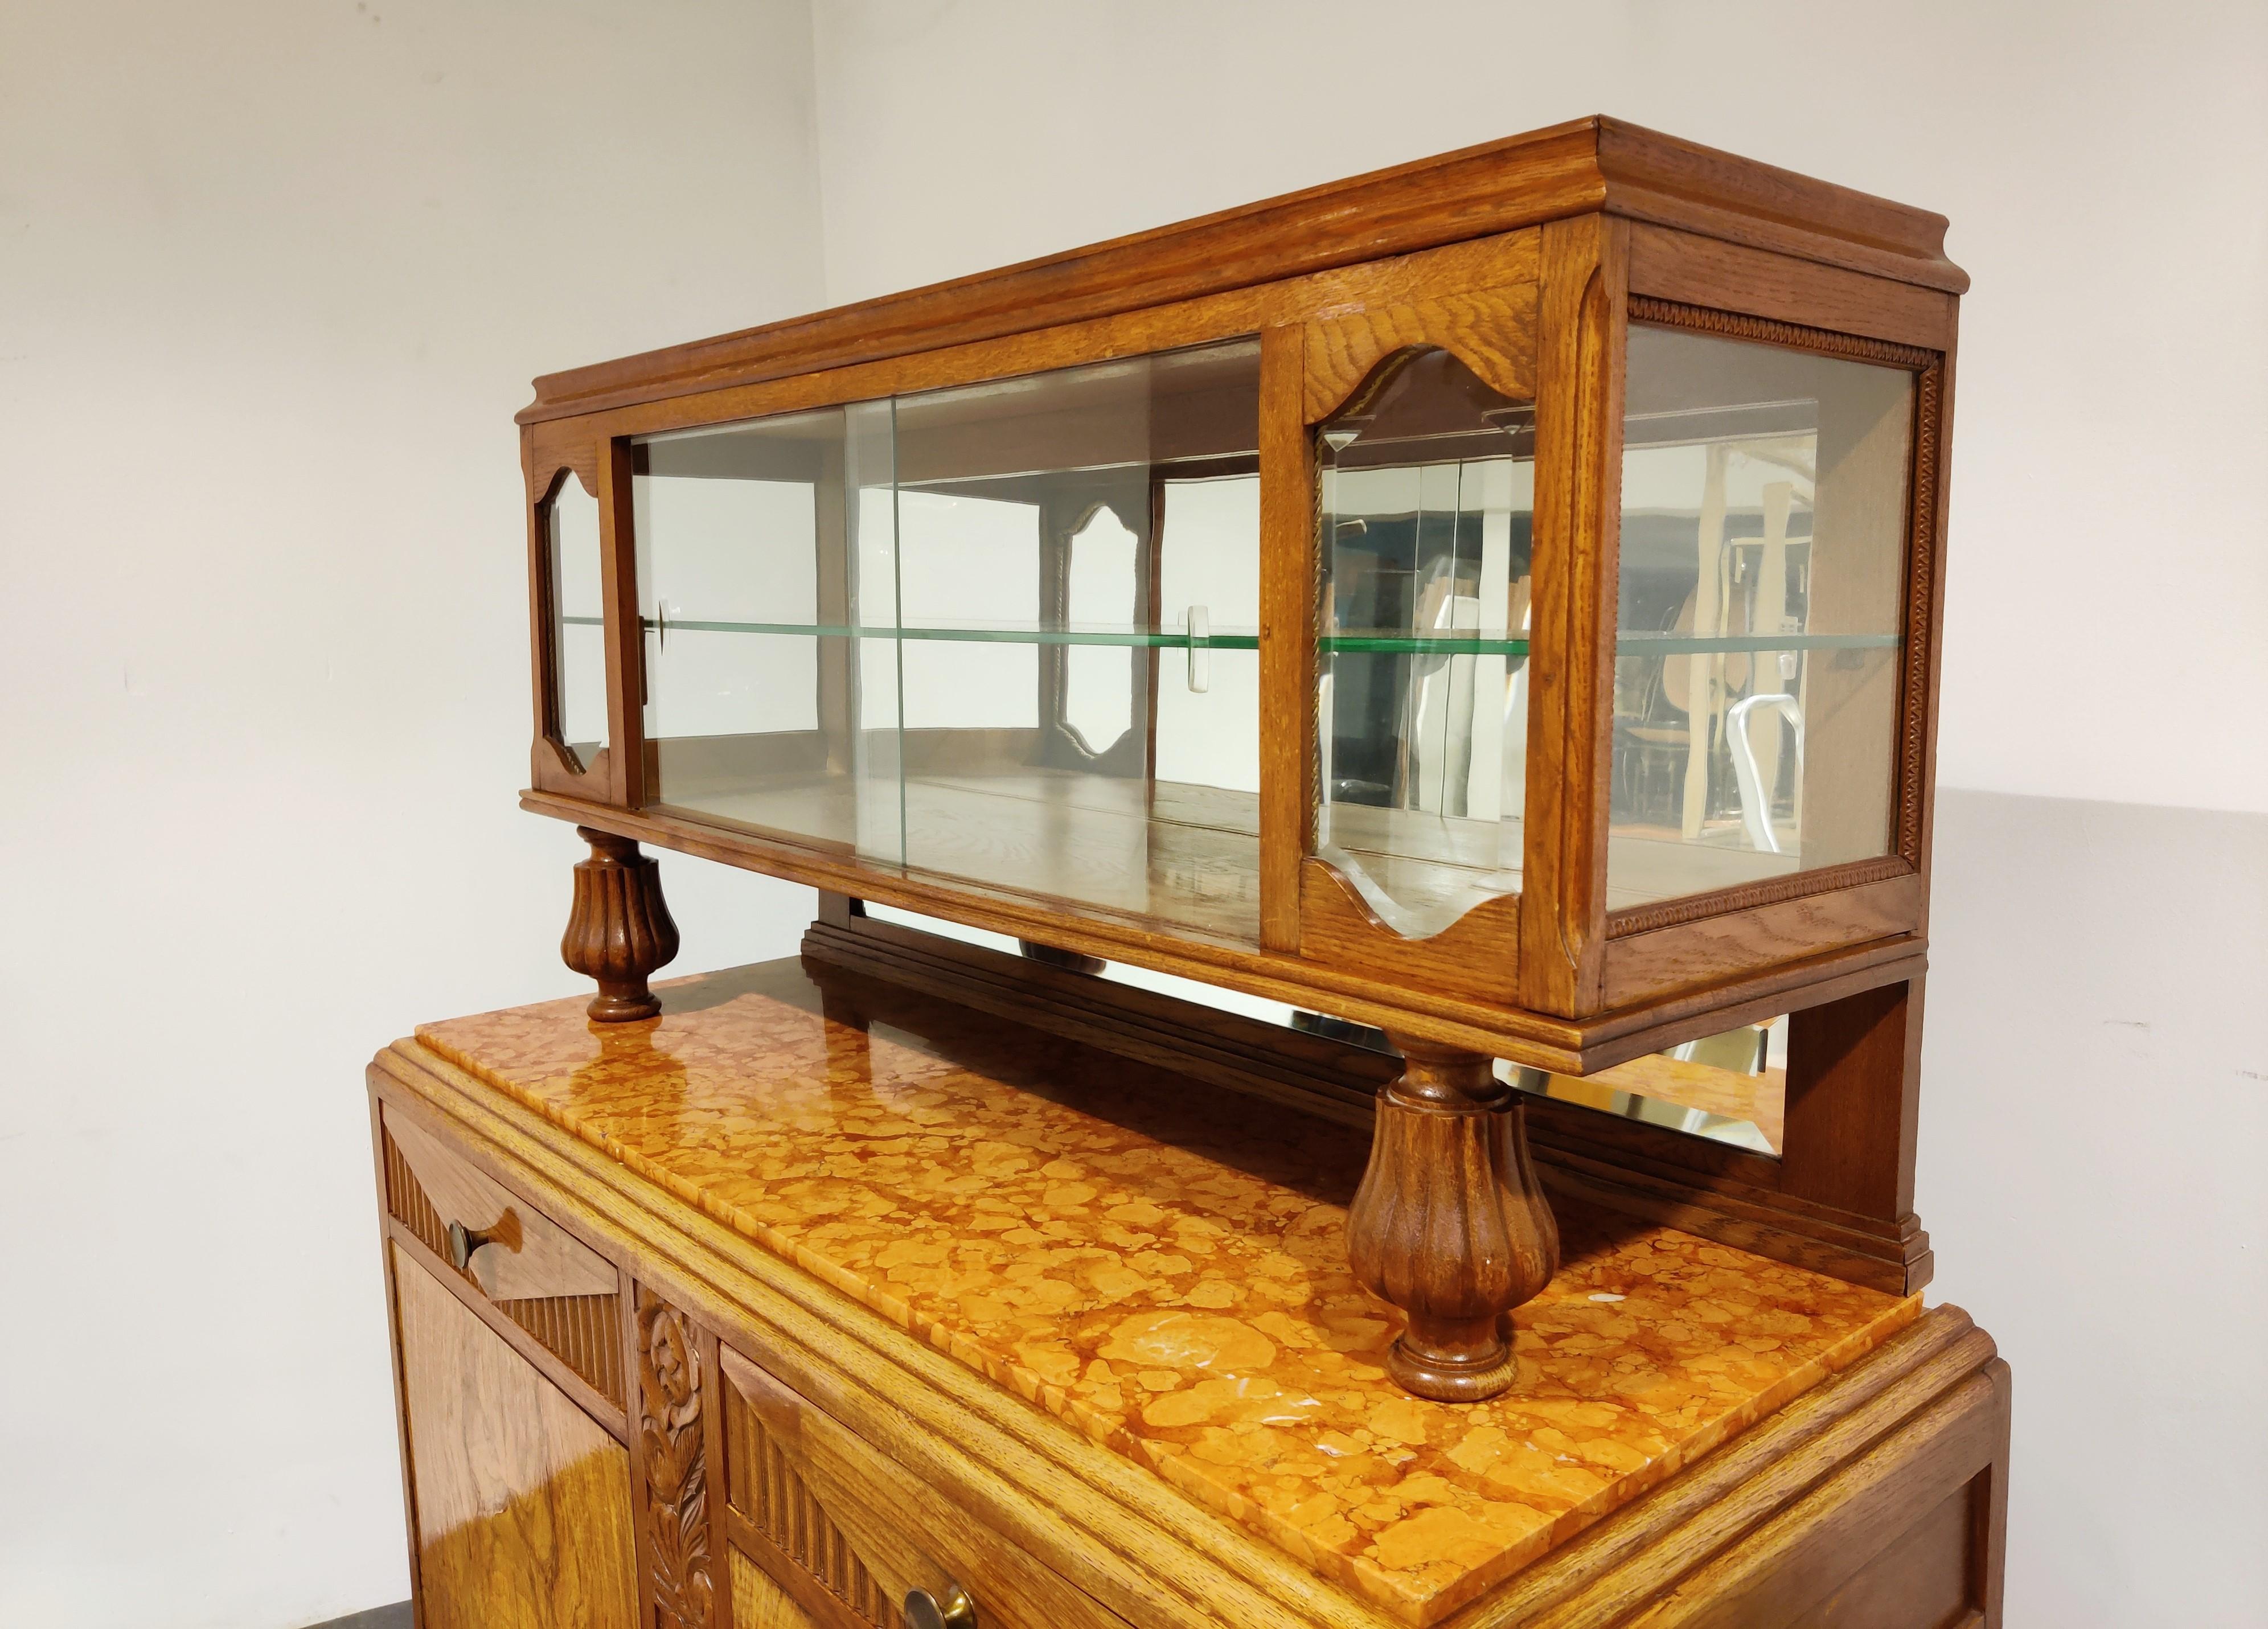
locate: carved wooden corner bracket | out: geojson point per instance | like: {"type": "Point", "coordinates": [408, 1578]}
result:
{"type": "Point", "coordinates": [675, 1465]}
{"type": "Point", "coordinates": [1450, 1223]}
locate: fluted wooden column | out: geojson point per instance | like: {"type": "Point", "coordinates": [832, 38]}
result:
{"type": "Point", "coordinates": [1449, 1223]}
{"type": "Point", "coordinates": [619, 931]}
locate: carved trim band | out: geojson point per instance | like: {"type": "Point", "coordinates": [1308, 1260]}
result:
{"type": "Point", "coordinates": [1773, 891]}
{"type": "Point", "coordinates": [1921, 554]}
{"type": "Point", "coordinates": [1763, 330]}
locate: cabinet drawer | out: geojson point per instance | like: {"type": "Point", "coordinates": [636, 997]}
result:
{"type": "Point", "coordinates": [824, 1531]}
{"type": "Point", "coordinates": [531, 1270]}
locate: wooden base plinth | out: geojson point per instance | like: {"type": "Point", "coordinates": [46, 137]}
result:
{"type": "Point", "coordinates": [1450, 1224]}
{"type": "Point", "coordinates": [619, 931]}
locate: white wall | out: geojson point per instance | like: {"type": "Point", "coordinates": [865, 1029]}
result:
{"type": "Point", "coordinates": [2101, 164]}
{"type": "Point", "coordinates": [2094, 1102]}
{"type": "Point", "coordinates": [274, 277]}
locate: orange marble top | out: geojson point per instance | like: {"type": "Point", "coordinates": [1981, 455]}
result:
{"type": "Point", "coordinates": [1161, 1264]}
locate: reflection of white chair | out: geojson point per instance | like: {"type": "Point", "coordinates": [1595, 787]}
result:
{"type": "Point", "coordinates": [1755, 797]}
{"type": "Point", "coordinates": [1440, 738]}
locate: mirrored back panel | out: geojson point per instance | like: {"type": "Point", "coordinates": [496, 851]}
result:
{"type": "Point", "coordinates": [1762, 614]}
{"type": "Point", "coordinates": [1006, 633]}
{"type": "Point", "coordinates": [1730, 1088]}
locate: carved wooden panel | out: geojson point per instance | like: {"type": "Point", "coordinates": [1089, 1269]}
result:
{"type": "Point", "coordinates": [522, 1502]}
{"type": "Point", "coordinates": [677, 1465]}
{"type": "Point", "coordinates": [1491, 330]}
{"type": "Point", "coordinates": [763, 1485]}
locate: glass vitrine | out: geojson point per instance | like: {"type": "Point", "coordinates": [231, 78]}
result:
{"type": "Point", "coordinates": [1455, 605]}
{"type": "Point", "coordinates": [1471, 625]}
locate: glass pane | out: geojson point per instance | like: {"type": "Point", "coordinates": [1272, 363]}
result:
{"type": "Point", "coordinates": [1730, 1088]}
{"type": "Point", "coordinates": [1428, 492]}
{"type": "Point", "coordinates": [1761, 613]}
{"type": "Point", "coordinates": [578, 636]}
{"type": "Point", "coordinates": [762, 707]}
{"type": "Point", "coordinates": [1079, 567]}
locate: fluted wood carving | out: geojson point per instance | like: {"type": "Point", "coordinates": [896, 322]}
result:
{"type": "Point", "coordinates": [1449, 1223]}
{"type": "Point", "coordinates": [675, 1465]}
{"type": "Point", "coordinates": [619, 931]}
{"type": "Point", "coordinates": [771, 1492]}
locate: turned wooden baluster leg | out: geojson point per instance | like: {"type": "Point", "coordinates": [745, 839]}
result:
{"type": "Point", "coordinates": [1450, 1224]}
{"type": "Point", "coordinates": [619, 931]}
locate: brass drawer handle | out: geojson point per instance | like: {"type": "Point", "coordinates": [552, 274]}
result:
{"type": "Point", "coordinates": [464, 1241]}
{"type": "Point", "coordinates": [925, 1610]}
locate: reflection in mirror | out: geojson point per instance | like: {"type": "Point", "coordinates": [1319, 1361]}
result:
{"type": "Point", "coordinates": [1730, 1088]}
{"type": "Point", "coordinates": [1428, 492]}
{"type": "Point", "coordinates": [1761, 613]}
{"type": "Point", "coordinates": [1217, 997]}
{"type": "Point", "coordinates": [578, 639]}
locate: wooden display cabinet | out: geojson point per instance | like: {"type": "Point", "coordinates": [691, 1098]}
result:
{"type": "Point", "coordinates": [1493, 600]}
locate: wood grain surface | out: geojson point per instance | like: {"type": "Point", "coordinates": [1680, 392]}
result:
{"type": "Point", "coordinates": [522, 1516]}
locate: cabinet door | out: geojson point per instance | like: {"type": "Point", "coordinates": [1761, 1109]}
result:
{"type": "Point", "coordinates": [522, 1502]}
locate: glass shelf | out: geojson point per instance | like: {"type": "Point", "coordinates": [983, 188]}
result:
{"type": "Point", "coordinates": [1482, 644]}
{"type": "Point", "coordinates": [1136, 638]}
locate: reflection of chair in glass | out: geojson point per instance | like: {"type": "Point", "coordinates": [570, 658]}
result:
{"type": "Point", "coordinates": [1755, 797]}
{"type": "Point", "coordinates": [1651, 728]}
{"type": "Point", "coordinates": [1451, 723]}
{"type": "Point", "coordinates": [1438, 735]}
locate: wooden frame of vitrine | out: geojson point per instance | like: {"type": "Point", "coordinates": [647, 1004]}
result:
{"type": "Point", "coordinates": [1529, 258]}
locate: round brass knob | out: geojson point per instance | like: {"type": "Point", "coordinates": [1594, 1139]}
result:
{"type": "Point", "coordinates": [463, 1242]}
{"type": "Point", "coordinates": [955, 1610]}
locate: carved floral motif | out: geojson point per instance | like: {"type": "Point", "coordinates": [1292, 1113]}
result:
{"type": "Point", "coordinates": [676, 1466]}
